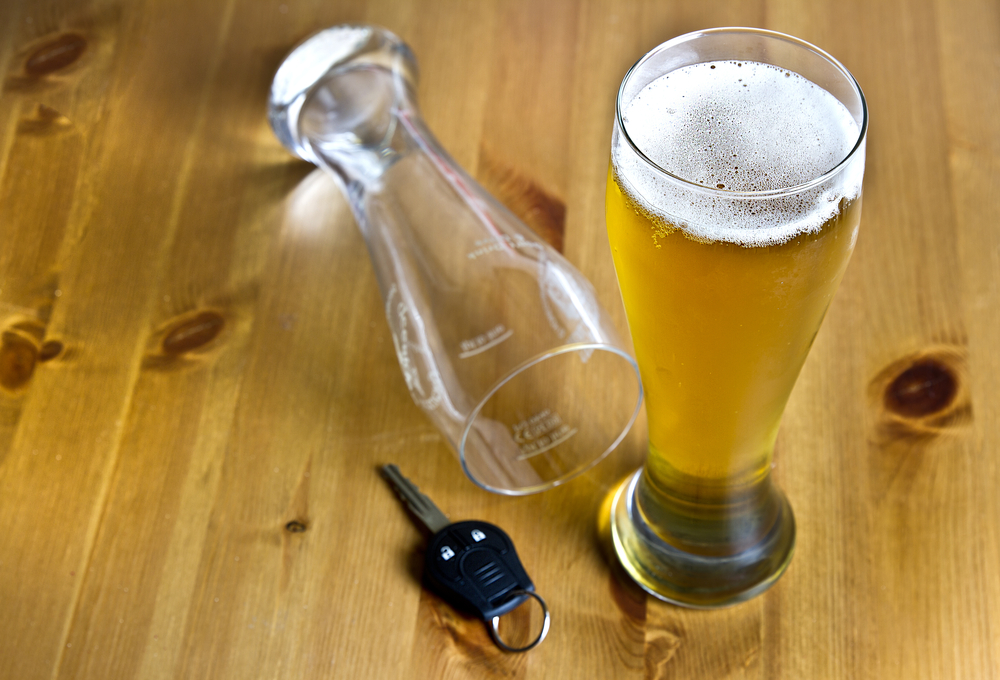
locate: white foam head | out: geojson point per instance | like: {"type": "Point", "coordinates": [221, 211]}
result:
{"type": "Point", "coordinates": [743, 138]}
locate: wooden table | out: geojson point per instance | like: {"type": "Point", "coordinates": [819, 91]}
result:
{"type": "Point", "coordinates": [197, 384]}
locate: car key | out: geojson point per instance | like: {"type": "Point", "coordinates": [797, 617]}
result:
{"type": "Point", "coordinates": [472, 565]}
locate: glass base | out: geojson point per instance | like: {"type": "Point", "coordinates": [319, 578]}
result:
{"type": "Point", "coordinates": [698, 581]}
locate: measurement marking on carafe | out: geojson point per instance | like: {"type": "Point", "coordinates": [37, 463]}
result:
{"type": "Point", "coordinates": [412, 354]}
{"type": "Point", "coordinates": [485, 341]}
{"type": "Point", "coordinates": [543, 431]}
{"type": "Point", "coordinates": [485, 246]}
{"type": "Point", "coordinates": [547, 442]}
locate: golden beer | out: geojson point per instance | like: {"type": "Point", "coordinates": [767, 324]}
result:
{"type": "Point", "coordinates": [729, 237]}
{"type": "Point", "coordinates": [721, 332]}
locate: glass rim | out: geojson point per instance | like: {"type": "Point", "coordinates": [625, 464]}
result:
{"type": "Point", "coordinates": [727, 193]}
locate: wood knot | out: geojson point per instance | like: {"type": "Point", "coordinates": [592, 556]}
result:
{"type": "Point", "coordinates": [544, 212]}
{"type": "Point", "coordinates": [296, 526]}
{"type": "Point", "coordinates": [923, 394]}
{"type": "Point", "coordinates": [192, 333]}
{"type": "Point", "coordinates": [454, 634]}
{"type": "Point", "coordinates": [661, 648]}
{"type": "Point", "coordinates": [50, 350]}
{"type": "Point", "coordinates": [56, 54]}
{"type": "Point", "coordinates": [18, 356]}
{"type": "Point", "coordinates": [924, 388]}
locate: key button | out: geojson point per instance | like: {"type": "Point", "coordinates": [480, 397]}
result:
{"type": "Point", "coordinates": [465, 535]}
{"type": "Point", "coordinates": [488, 537]}
{"type": "Point", "coordinates": [443, 556]}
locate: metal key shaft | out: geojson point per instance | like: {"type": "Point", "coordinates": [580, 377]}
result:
{"type": "Point", "coordinates": [421, 506]}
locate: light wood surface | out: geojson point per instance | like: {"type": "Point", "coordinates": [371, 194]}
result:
{"type": "Point", "coordinates": [197, 383]}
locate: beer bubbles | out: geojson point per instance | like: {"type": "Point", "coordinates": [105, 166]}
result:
{"type": "Point", "coordinates": [737, 127]}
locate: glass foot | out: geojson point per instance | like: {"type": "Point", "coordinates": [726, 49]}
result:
{"type": "Point", "coordinates": [698, 581]}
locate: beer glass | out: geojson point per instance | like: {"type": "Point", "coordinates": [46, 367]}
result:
{"type": "Point", "coordinates": [733, 204]}
{"type": "Point", "coordinates": [502, 342]}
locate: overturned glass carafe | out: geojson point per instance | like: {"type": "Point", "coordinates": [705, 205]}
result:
{"type": "Point", "coordinates": [501, 341]}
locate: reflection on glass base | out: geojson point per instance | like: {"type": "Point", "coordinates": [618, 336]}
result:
{"type": "Point", "coordinates": [695, 580]}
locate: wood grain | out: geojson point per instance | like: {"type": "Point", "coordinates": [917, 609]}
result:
{"type": "Point", "coordinates": [197, 385]}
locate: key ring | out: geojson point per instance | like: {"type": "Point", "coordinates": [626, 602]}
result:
{"type": "Point", "coordinates": [495, 627]}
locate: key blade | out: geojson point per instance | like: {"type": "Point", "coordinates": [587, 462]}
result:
{"type": "Point", "coordinates": [421, 506]}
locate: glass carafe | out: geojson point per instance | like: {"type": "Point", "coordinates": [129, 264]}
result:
{"type": "Point", "coordinates": [501, 341]}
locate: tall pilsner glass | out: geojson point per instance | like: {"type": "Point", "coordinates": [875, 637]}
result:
{"type": "Point", "coordinates": [733, 203]}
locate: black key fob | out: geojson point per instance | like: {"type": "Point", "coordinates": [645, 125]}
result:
{"type": "Point", "coordinates": [473, 566]}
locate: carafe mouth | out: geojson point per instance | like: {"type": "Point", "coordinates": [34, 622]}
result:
{"type": "Point", "coordinates": [322, 55]}
{"type": "Point", "coordinates": [528, 433]}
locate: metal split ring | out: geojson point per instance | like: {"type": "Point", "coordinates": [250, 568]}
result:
{"type": "Point", "coordinates": [495, 627]}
